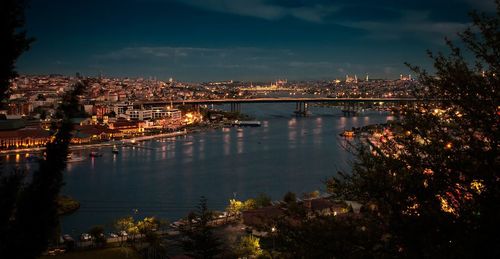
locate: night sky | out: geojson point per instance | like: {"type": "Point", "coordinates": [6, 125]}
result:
{"type": "Point", "coordinates": [202, 40]}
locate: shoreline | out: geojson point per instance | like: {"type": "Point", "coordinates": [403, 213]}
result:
{"type": "Point", "coordinates": [127, 141]}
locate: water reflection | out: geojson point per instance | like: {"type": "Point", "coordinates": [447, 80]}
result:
{"type": "Point", "coordinates": [215, 164]}
{"type": "Point", "coordinates": [227, 144]}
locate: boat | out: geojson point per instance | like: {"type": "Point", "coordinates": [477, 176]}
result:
{"type": "Point", "coordinates": [71, 158]}
{"type": "Point", "coordinates": [95, 154]}
{"type": "Point", "coordinates": [115, 150]}
{"type": "Point", "coordinates": [246, 123]}
{"type": "Point", "coordinates": [348, 133]}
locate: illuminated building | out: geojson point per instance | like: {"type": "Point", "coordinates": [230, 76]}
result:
{"type": "Point", "coordinates": [24, 138]}
{"type": "Point", "coordinates": [350, 79]}
{"type": "Point", "coordinates": [405, 78]}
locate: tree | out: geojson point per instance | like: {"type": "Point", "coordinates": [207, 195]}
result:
{"type": "Point", "coordinates": [432, 181]}
{"type": "Point", "coordinates": [13, 43]}
{"type": "Point", "coordinates": [200, 241]}
{"type": "Point", "coordinates": [311, 195]}
{"type": "Point", "coordinates": [235, 207]}
{"type": "Point", "coordinates": [97, 234]}
{"type": "Point", "coordinates": [262, 200]}
{"type": "Point", "coordinates": [250, 204]}
{"type": "Point", "coordinates": [126, 224]}
{"type": "Point", "coordinates": [289, 198]}
{"type": "Point", "coordinates": [297, 236]}
{"type": "Point", "coordinates": [149, 228]}
{"type": "Point", "coordinates": [29, 216]}
{"type": "Point", "coordinates": [248, 247]}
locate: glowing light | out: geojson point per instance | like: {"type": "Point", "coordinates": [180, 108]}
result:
{"type": "Point", "coordinates": [428, 171]}
{"type": "Point", "coordinates": [477, 186]}
{"type": "Point", "coordinates": [412, 208]}
{"type": "Point", "coordinates": [449, 145]}
{"type": "Point", "coordinates": [445, 206]}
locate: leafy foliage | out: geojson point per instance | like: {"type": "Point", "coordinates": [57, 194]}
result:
{"type": "Point", "coordinates": [200, 241]}
{"type": "Point", "coordinates": [13, 41]}
{"type": "Point", "coordinates": [97, 233]}
{"type": "Point", "coordinates": [433, 180]}
{"type": "Point", "coordinates": [429, 183]}
{"type": "Point", "coordinates": [262, 200]}
{"type": "Point", "coordinates": [290, 197]}
{"type": "Point", "coordinates": [30, 219]}
{"type": "Point", "coordinates": [249, 247]}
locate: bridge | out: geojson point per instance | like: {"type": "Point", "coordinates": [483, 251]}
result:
{"type": "Point", "coordinates": [350, 105]}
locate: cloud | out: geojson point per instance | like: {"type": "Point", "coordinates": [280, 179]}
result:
{"type": "Point", "coordinates": [312, 11]}
{"type": "Point", "coordinates": [483, 5]}
{"type": "Point", "coordinates": [315, 64]}
{"type": "Point", "coordinates": [131, 53]}
{"type": "Point", "coordinates": [411, 24]}
{"type": "Point", "coordinates": [385, 21]}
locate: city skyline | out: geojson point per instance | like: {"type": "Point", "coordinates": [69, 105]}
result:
{"type": "Point", "coordinates": [240, 40]}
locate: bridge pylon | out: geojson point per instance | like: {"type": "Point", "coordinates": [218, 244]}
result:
{"type": "Point", "coordinates": [350, 109]}
{"type": "Point", "coordinates": [301, 109]}
{"type": "Point", "coordinates": [235, 107]}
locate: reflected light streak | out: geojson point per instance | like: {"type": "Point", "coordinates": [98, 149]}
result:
{"type": "Point", "coordinates": [227, 143]}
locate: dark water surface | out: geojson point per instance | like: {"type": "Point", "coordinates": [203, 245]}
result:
{"type": "Point", "coordinates": [166, 177]}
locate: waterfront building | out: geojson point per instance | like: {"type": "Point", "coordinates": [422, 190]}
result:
{"type": "Point", "coordinates": [24, 138]}
{"type": "Point", "coordinates": [139, 114]}
{"type": "Point", "coordinates": [128, 128]}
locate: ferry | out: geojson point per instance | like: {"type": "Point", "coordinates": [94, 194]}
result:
{"type": "Point", "coordinates": [246, 123]}
{"type": "Point", "coordinates": [115, 150]}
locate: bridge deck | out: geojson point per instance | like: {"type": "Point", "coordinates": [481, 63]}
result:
{"type": "Point", "coordinates": [282, 100]}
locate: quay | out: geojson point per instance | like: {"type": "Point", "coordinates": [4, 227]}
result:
{"type": "Point", "coordinates": [98, 145]}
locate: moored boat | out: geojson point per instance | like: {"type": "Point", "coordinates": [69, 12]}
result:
{"type": "Point", "coordinates": [348, 134]}
{"type": "Point", "coordinates": [72, 158]}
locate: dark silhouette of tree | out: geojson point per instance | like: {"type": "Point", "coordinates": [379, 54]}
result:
{"type": "Point", "coordinates": [429, 184]}
{"type": "Point", "coordinates": [432, 181]}
{"type": "Point", "coordinates": [290, 197]}
{"type": "Point", "coordinates": [263, 200]}
{"type": "Point", "coordinates": [13, 42]}
{"type": "Point", "coordinates": [29, 216]}
{"type": "Point", "coordinates": [97, 234]}
{"type": "Point", "coordinates": [199, 240]}
{"type": "Point", "coordinates": [297, 236]}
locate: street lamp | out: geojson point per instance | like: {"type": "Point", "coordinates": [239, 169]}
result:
{"type": "Point", "coordinates": [273, 230]}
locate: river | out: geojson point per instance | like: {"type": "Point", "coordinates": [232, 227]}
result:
{"type": "Point", "coordinates": [166, 177]}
